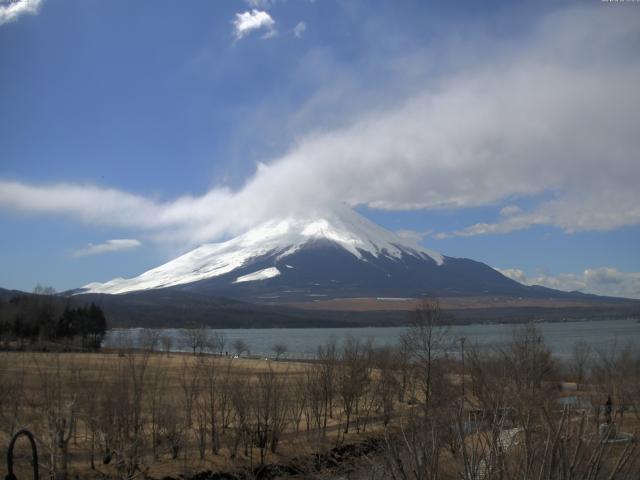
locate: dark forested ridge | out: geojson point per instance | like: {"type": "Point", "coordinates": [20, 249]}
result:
{"type": "Point", "coordinates": [45, 321]}
{"type": "Point", "coordinates": [175, 308]}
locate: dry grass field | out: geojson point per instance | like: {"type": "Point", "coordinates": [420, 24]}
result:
{"type": "Point", "coordinates": [157, 414]}
{"type": "Point", "coordinates": [502, 414]}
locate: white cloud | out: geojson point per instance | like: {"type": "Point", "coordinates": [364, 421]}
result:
{"type": "Point", "coordinates": [299, 29]}
{"type": "Point", "coordinates": [509, 210]}
{"type": "Point", "coordinates": [556, 117]}
{"type": "Point", "coordinates": [413, 235]}
{"type": "Point", "coordinates": [185, 219]}
{"type": "Point", "coordinates": [247, 22]}
{"type": "Point", "coordinates": [114, 245]}
{"type": "Point", "coordinates": [600, 281]}
{"type": "Point", "coordinates": [609, 207]}
{"type": "Point", "coordinates": [12, 9]}
{"type": "Point", "coordinates": [260, 3]}
{"type": "Point", "coordinates": [514, 274]}
{"type": "Point", "coordinates": [265, 4]}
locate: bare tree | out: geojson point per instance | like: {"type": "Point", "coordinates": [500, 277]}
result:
{"type": "Point", "coordinates": [218, 342]}
{"type": "Point", "coordinates": [212, 401]}
{"type": "Point", "coordinates": [227, 376]}
{"type": "Point", "coordinates": [353, 376]}
{"type": "Point", "coordinates": [59, 410]}
{"type": "Point", "coordinates": [268, 411]}
{"type": "Point", "coordinates": [149, 339]}
{"type": "Point", "coordinates": [328, 360]}
{"type": "Point", "coordinates": [11, 394]}
{"type": "Point", "coordinates": [90, 390]}
{"type": "Point", "coordinates": [298, 404]}
{"type": "Point", "coordinates": [202, 408]}
{"type": "Point", "coordinates": [157, 404]}
{"type": "Point", "coordinates": [426, 341]}
{"type": "Point", "coordinates": [580, 359]}
{"type": "Point", "coordinates": [528, 359]}
{"type": "Point", "coordinates": [489, 382]}
{"type": "Point", "coordinates": [279, 349]}
{"type": "Point", "coordinates": [412, 453]}
{"type": "Point", "coordinates": [315, 382]}
{"type": "Point", "coordinates": [386, 383]}
{"type": "Point", "coordinates": [43, 290]}
{"type": "Point", "coordinates": [195, 339]}
{"type": "Point", "coordinates": [240, 346]}
{"type": "Point", "coordinates": [241, 402]}
{"type": "Point", "coordinates": [189, 381]}
{"type": "Point", "coordinates": [172, 429]}
{"type": "Point", "coordinates": [368, 398]}
{"type": "Point", "coordinates": [122, 414]}
{"type": "Point", "coordinates": [167, 342]}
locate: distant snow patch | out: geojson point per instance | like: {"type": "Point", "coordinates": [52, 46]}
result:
{"type": "Point", "coordinates": [259, 275]}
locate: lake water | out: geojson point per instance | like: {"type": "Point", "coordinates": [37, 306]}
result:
{"type": "Point", "coordinates": [303, 342]}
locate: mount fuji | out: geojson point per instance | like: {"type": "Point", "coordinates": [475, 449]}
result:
{"type": "Point", "coordinates": [336, 254]}
{"type": "Point", "coordinates": [333, 268]}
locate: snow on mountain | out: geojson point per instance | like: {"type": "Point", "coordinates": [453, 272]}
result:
{"type": "Point", "coordinates": [259, 275]}
{"type": "Point", "coordinates": [281, 237]}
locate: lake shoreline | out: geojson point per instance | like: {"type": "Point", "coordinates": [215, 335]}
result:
{"type": "Point", "coordinates": [302, 343]}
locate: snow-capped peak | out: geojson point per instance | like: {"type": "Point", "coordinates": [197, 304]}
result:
{"type": "Point", "coordinates": [281, 237]}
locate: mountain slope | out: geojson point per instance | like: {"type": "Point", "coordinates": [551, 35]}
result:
{"type": "Point", "coordinates": [272, 243]}
{"type": "Point", "coordinates": [338, 254]}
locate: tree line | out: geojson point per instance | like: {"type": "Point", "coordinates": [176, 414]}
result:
{"type": "Point", "coordinates": [45, 321]}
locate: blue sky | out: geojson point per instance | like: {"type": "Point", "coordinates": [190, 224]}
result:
{"type": "Point", "coordinates": [500, 132]}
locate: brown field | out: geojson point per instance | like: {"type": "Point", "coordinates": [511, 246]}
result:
{"type": "Point", "coordinates": [366, 304]}
{"type": "Point", "coordinates": [145, 414]}
{"type": "Point", "coordinates": [54, 384]}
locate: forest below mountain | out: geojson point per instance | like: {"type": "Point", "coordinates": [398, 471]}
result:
{"type": "Point", "coordinates": [176, 308]}
{"type": "Point", "coordinates": [44, 321]}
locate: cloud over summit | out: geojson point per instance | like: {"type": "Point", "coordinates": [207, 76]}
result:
{"type": "Point", "coordinates": [556, 117]}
